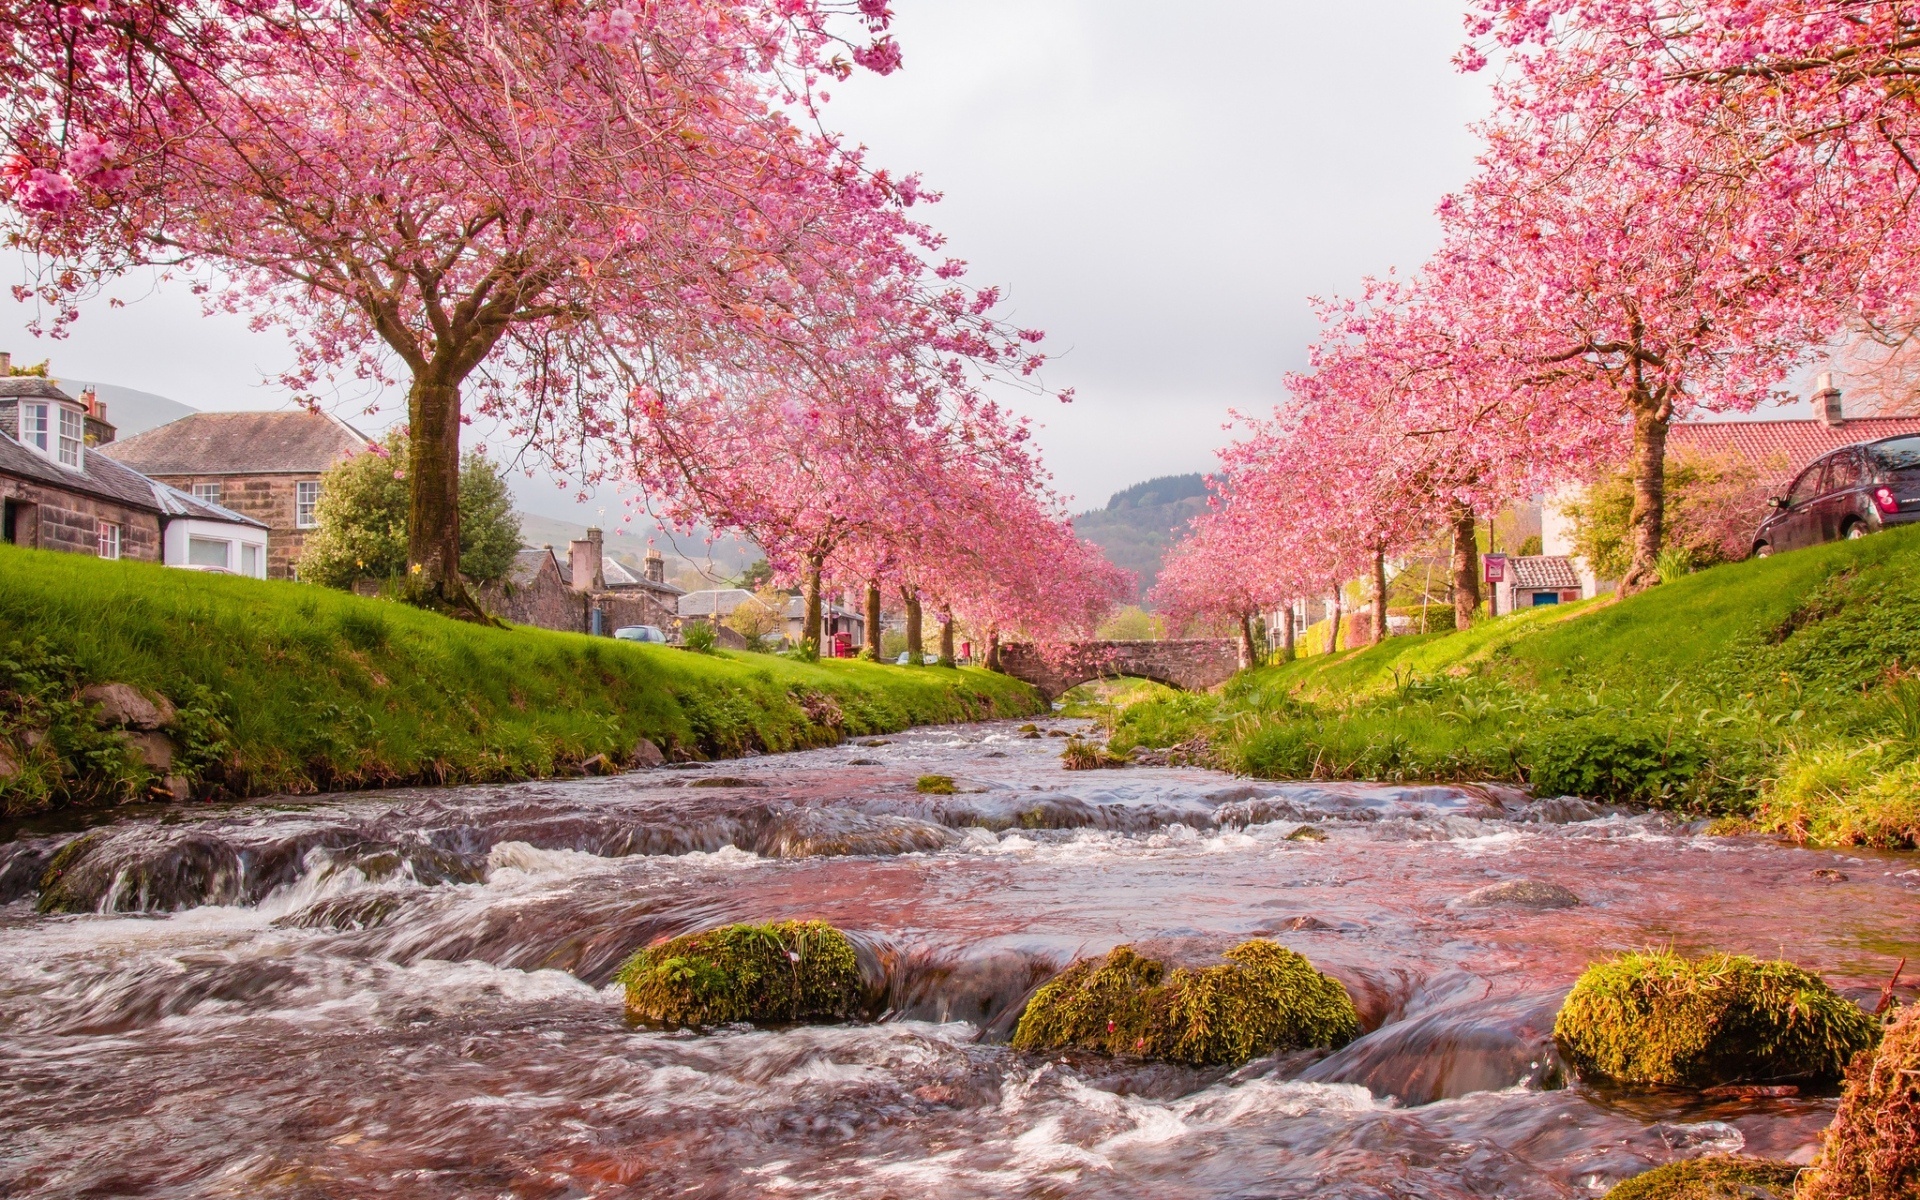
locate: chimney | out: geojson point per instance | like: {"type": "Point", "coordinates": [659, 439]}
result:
{"type": "Point", "coordinates": [589, 563]}
{"type": "Point", "coordinates": [656, 566]}
{"type": "Point", "coordinates": [1826, 401]}
{"type": "Point", "coordinates": [6, 364]}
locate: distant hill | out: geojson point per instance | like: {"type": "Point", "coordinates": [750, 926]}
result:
{"type": "Point", "coordinates": [130, 411]}
{"type": "Point", "coordinates": [1139, 524]}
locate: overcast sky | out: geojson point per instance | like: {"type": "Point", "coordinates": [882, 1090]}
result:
{"type": "Point", "coordinates": [1160, 187]}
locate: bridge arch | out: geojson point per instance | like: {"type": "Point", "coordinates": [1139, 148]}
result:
{"type": "Point", "coordinates": [1189, 664]}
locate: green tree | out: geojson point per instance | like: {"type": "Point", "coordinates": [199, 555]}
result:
{"type": "Point", "coordinates": [757, 577]}
{"type": "Point", "coordinates": [362, 516]}
{"type": "Point", "coordinates": [1132, 624]}
{"type": "Point", "coordinates": [1713, 505]}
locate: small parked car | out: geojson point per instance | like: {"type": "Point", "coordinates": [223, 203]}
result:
{"type": "Point", "coordinates": [925, 659]}
{"type": "Point", "coordinates": [1846, 493]}
{"type": "Point", "coordinates": [641, 633]}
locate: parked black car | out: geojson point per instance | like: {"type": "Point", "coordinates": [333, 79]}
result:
{"type": "Point", "coordinates": [1846, 493]}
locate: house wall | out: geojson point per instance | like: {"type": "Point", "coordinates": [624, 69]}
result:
{"type": "Point", "coordinates": [69, 521]}
{"type": "Point", "coordinates": [180, 529]}
{"type": "Point", "coordinates": [636, 606]}
{"type": "Point", "coordinates": [545, 603]}
{"type": "Point", "coordinates": [268, 499]}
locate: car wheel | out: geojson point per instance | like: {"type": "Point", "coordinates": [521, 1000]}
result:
{"type": "Point", "coordinates": [1855, 531]}
{"type": "Point", "coordinates": [1763, 550]}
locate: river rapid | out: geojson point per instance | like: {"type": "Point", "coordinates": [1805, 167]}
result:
{"type": "Point", "coordinates": [410, 993]}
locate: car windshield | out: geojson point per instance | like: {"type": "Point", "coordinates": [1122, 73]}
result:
{"type": "Point", "coordinates": [1901, 456]}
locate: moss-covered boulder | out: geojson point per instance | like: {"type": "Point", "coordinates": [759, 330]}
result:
{"type": "Point", "coordinates": [1721, 1177]}
{"type": "Point", "coordinates": [789, 971]}
{"type": "Point", "coordinates": [1263, 998]}
{"type": "Point", "coordinates": [1873, 1146]}
{"type": "Point", "coordinates": [1662, 1020]}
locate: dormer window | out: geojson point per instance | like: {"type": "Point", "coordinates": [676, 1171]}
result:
{"type": "Point", "coordinates": [54, 430]}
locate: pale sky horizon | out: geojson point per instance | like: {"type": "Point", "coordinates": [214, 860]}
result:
{"type": "Point", "coordinates": [1162, 197]}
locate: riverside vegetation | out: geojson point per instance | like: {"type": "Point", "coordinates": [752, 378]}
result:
{"type": "Point", "coordinates": [283, 687]}
{"type": "Point", "coordinates": [1782, 693]}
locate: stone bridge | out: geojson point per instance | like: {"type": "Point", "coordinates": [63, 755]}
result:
{"type": "Point", "coordinates": [1192, 665]}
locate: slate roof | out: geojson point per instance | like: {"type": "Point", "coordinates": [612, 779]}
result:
{"type": "Point", "coordinates": [617, 576]}
{"type": "Point", "coordinates": [526, 566]}
{"type": "Point", "coordinates": [242, 443]}
{"type": "Point", "coordinates": [711, 600]}
{"type": "Point", "coordinates": [1543, 571]}
{"type": "Point", "coordinates": [33, 387]}
{"type": "Point", "coordinates": [176, 503]}
{"type": "Point", "coordinates": [99, 476]}
{"type": "Point", "coordinates": [1787, 445]}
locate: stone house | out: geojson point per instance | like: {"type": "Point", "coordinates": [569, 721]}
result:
{"type": "Point", "coordinates": [263, 465]}
{"type": "Point", "coordinates": [588, 592]}
{"type": "Point", "coordinates": [58, 491]}
{"type": "Point", "coordinates": [1536, 579]}
{"type": "Point", "coordinates": [842, 625]}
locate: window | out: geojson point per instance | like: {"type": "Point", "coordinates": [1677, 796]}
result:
{"type": "Point", "coordinates": [1807, 486]}
{"type": "Point", "coordinates": [109, 540]}
{"type": "Point", "coordinates": [306, 498]}
{"type": "Point", "coordinates": [73, 437]}
{"type": "Point", "coordinates": [208, 552]}
{"type": "Point", "coordinates": [1899, 456]}
{"type": "Point", "coordinates": [207, 493]}
{"type": "Point", "coordinates": [36, 427]}
{"type": "Point", "coordinates": [1844, 473]}
{"type": "Point", "coordinates": [250, 561]}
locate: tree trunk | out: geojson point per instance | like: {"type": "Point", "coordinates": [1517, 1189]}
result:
{"type": "Point", "coordinates": [1333, 630]}
{"type": "Point", "coordinates": [1647, 525]}
{"type": "Point", "coordinates": [946, 637]}
{"type": "Point", "coordinates": [433, 500]}
{"type": "Point", "coordinates": [873, 620]}
{"type": "Point", "coordinates": [1246, 641]}
{"type": "Point", "coordinates": [1379, 596]}
{"type": "Point", "coordinates": [916, 647]}
{"type": "Point", "coordinates": [810, 632]}
{"type": "Point", "coordinates": [1286, 633]}
{"type": "Point", "coordinates": [993, 650]}
{"type": "Point", "coordinates": [1466, 568]}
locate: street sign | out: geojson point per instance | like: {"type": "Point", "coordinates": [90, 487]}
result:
{"type": "Point", "coordinates": [1496, 568]}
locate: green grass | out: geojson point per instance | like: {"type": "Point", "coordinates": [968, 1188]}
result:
{"type": "Point", "coordinates": [286, 687]}
{"type": "Point", "coordinates": [1734, 690]}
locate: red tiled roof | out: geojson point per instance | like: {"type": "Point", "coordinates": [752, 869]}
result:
{"type": "Point", "coordinates": [1791, 444]}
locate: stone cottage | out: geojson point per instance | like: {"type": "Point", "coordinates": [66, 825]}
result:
{"type": "Point", "coordinates": [588, 592]}
{"type": "Point", "coordinates": [263, 465]}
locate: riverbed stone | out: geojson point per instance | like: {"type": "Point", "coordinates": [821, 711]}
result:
{"type": "Point", "coordinates": [646, 754]}
{"type": "Point", "coordinates": [1657, 1019]}
{"type": "Point", "coordinates": [786, 971]}
{"type": "Point", "coordinates": [154, 748]}
{"type": "Point", "coordinates": [1519, 893]}
{"type": "Point", "coordinates": [1263, 999]}
{"type": "Point", "coordinates": [9, 765]}
{"type": "Point", "coordinates": [1873, 1146]}
{"type": "Point", "coordinates": [127, 707]}
{"type": "Point", "coordinates": [1716, 1177]}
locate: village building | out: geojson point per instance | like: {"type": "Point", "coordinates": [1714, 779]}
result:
{"type": "Point", "coordinates": [262, 465]}
{"type": "Point", "coordinates": [587, 592]}
{"type": "Point", "coordinates": [843, 630]}
{"type": "Point", "coordinates": [59, 492]}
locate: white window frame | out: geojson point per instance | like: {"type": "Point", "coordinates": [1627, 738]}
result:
{"type": "Point", "coordinates": [258, 553]}
{"type": "Point", "coordinates": [109, 539]}
{"type": "Point", "coordinates": [306, 504]}
{"type": "Point", "coordinates": [71, 434]}
{"type": "Point", "coordinates": [37, 434]}
{"type": "Point", "coordinates": [226, 551]}
{"type": "Point", "coordinates": [207, 493]}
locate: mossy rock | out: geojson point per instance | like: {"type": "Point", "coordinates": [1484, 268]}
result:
{"type": "Point", "coordinates": [935, 785]}
{"type": "Point", "coordinates": [1717, 1178]}
{"type": "Point", "coordinates": [1264, 998]}
{"type": "Point", "coordinates": [1662, 1020]}
{"type": "Point", "coordinates": [1873, 1146]}
{"type": "Point", "coordinates": [789, 971]}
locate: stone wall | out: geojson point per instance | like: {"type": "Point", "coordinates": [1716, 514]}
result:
{"type": "Point", "coordinates": [269, 499]}
{"type": "Point", "coordinates": [61, 520]}
{"type": "Point", "coordinates": [635, 606]}
{"type": "Point", "coordinates": [1191, 664]}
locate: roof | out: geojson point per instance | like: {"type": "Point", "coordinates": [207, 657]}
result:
{"type": "Point", "coordinates": [176, 503]}
{"type": "Point", "coordinates": [33, 387]}
{"type": "Point", "coordinates": [527, 564]}
{"type": "Point", "coordinates": [99, 476]}
{"type": "Point", "coordinates": [616, 576]}
{"type": "Point", "coordinates": [242, 443]}
{"type": "Point", "coordinates": [1792, 444]}
{"type": "Point", "coordinates": [1543, 571]}
{"type": "Point", "coordinates": [797, 609]}
{"type": "Point", "coordinates": [710, 601]}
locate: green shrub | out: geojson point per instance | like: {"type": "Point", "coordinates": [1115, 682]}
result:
{"type": "Point", "coordinates": [1263, 998]}
{"type": "Point", "coordinates": [1714, 1178]}
{"type": "Point", "coordinates": [698, 636]}
{"type": "Point", "coordinates": [1606, 759]}
{"type": "Point", "coordinates": [934, 785]}
{"type": "Point", "coordinates": [789, 971]}
{"type": "Point", "coordinates": [1873, 1146]}
{"type": "Point", "coordinates": [1662, 1020]}
{"type": "Point", "coordinates": [1845, 796]}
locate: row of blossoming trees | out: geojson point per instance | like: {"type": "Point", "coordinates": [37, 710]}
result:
{"type": "Point", "coordinates": [614, 226]}
{"type": "Point", "coordinates": [1676, 204]}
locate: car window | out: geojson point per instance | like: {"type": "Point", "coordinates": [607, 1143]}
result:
{"type": "Point", "coordinates": [1807, 486]}
{"type": "Point", "coordinates": [1843, 472]}
{"type": "Point", "coordinates": [1900, 456]}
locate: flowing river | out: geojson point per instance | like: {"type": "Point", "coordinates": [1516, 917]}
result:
{"type": "Point", "coordinates": [409, 993]}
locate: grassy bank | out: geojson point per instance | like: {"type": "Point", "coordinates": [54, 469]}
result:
{"type": "Point", "coordinates": [1784, 690]}
{"type": "Point", "coordinates": [283, 687]}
